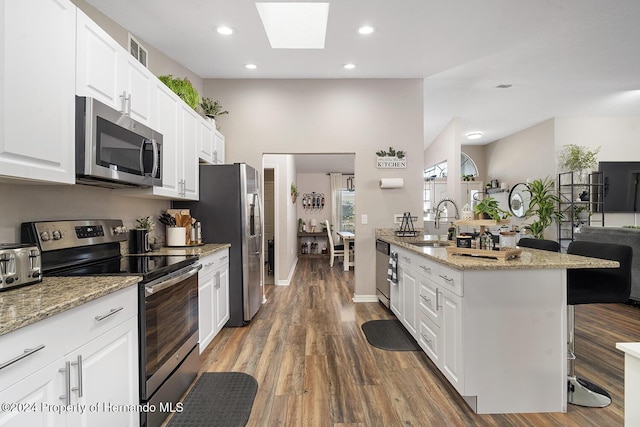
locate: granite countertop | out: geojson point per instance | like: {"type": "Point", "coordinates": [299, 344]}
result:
{"type": "Point", "coordinates": [529, 259]}
{"type": "Point", "coordinates": [28, 304]}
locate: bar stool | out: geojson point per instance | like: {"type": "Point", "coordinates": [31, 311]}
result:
{"type": "Point", "coordinates": [545, 245]}
{"type": "Point", "coordinates": [593, 286]}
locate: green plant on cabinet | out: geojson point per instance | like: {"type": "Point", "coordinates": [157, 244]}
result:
{"type": "Point", "coordinates": [183, 88]}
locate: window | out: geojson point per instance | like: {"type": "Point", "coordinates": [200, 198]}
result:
{"type": "Point", "coordinates": [437, 174]}
{"type": "Point", "coordinates": [348, 207]}
{"type": "Point", "coordinates": [137, 50]}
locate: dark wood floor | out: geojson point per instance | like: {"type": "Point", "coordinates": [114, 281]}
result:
{"type": "Point", "coordinates": [315, 368]}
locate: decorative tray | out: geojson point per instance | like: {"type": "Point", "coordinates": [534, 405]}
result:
{"type": "Point", "coordinates": [401, 233]}
{"type": "Point", "coordinates": [502, 255]}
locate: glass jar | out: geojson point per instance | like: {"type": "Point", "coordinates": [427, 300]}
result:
{"type": "Point", "coordinates": [507, 240]}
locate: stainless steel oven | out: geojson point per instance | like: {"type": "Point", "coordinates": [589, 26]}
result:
{"type": "Point", "coordinates": [169, 336]}
{"type": "Point", "coordinates": [167, 299]}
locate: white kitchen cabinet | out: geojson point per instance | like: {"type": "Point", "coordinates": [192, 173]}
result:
{"type": "Point", "coordinates": [451, 354]}
{"type": "Point", "coordinates": [188, 142]}
{"type": "Point", "coordinates": [213, 296]}
{"type": "Point", "coordinates": [206, 141]}
{"type": "Point", "coordinates": [107, 72]}
{"type": "Point", "coordinates": [218, 147]}
{"type": "Point", "coordinates": [93, 347]}
{"type": "Point", "coordinates": [408, 283]}
{"type": "Point", "coordinates": [37, 112]}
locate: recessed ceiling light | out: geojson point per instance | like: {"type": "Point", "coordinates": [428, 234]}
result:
{"type": "Point", "coordinates": [349, 66]}
{"type": "Point", "coordinates": [366, 29]}
{"type": "Point", "coordinates": [474, 135]}
{"type": "Point", "coordinates": [250, 66]}
{"type": "Point", "coordinates": [504, 86]}
{"type": "Point", "coordinates": [295, 25]}
{"type": "Point", "coordinates": [225, 31]}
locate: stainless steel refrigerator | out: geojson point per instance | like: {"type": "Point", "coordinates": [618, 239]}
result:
{"type": "Point", "coordinates": [229, 210]}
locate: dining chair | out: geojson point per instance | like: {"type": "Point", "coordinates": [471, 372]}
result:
{"type": "Point", "coordinates": [334, 250]}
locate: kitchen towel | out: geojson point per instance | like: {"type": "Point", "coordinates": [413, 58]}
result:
{"type": "Point", "coordinates": [392, 271]}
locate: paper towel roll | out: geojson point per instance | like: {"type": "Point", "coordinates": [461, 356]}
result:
{"type": "Point", "coordinates": [391, 183]}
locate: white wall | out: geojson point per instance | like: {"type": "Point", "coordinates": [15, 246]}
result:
{"type": "Point", "coordinates": [358, 116]}
{"type": "Point", "coordinates": [447, 147]}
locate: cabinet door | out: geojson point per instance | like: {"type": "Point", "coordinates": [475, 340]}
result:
{"type": "Point", "coordinates": [32, 394]}
{"type": "Point", "coordinates": [451, 333]}
{"type": "Point", "coordinates": [206, 142]}
{"type": "Point", "coordinates": [165, 120]}
{"type": "Point", "coordinates": [138, 84]}
{"type": "Point", "coordinates": [222, 297]}
{"type": "Point", "coordinates": [37, 83]}
{"type": "Point", "coordinates": [206, 308]}
{"type": "Point", "coordinates": [189, 151]}
{"type": "Point", "coordinates": [98, 64]}
{"type": "Point", "coordinates": [109, 376]}
{"type": "Point", "coordinates": [219, 148]}
{"type": "Point", "coordinates": [409, 284]}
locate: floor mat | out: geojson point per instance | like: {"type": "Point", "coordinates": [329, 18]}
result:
{"type": "Point", "coordinates": [389, 335]}
{"type": "Point", "coordinates": [218, 399]}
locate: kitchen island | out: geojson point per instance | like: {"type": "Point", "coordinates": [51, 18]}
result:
{"type": "Point", "coordinates": [496, 329]}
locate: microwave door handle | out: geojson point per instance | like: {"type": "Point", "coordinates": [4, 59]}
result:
{"type": "Point", "coordinates": [156, 158]}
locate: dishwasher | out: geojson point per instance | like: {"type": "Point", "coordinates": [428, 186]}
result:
{"type": "Point", "coordinates": [382, 265]}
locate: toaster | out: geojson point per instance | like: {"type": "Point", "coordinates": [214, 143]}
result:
{"type": "Point", "coordinates": [20, 264]}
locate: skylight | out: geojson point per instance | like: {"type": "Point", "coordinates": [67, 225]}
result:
{"type": "Point", "coordinates": [295, 25]}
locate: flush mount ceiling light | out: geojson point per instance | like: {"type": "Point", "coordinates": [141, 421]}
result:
{"type": "Point", "coordinates": [349, 66]}
{"type": "Point", "coordinates": [225, 31]}
{"type": "Point", "coordinates": [295, 25]}
{"type": "Point", "coordinates": [366, 29]}
{"type": "Point", "coordinates": [474, 135]}
{"type": "Point", "coordinates": [250, 66]}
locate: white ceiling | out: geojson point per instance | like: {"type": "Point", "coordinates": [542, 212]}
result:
{"type": "Point", "coordinates": [564, 58]}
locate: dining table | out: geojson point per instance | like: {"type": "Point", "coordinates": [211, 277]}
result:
{"type": "Point", "coordinates": [349, 257]}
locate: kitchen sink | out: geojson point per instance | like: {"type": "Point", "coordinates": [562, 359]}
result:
{"type": "Point", "coordinates": [431, 243]}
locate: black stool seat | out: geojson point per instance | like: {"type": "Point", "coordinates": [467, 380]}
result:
{"type": "Point", "coordinates": [545, 245]}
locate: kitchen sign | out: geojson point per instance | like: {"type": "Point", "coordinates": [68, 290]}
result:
{"type": "Point", "coordinates": [391, 159]}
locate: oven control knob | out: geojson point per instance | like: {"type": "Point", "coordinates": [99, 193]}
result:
{"type": "Point", "coordinates": [56, 234]}
{"type": "Point", "coordinates": [119, 230]}
{"type": "Point", "coordinates": [44, 236]}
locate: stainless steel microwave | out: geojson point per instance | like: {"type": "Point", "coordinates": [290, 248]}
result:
{"type": "Point", "coordinates": [113, 150]}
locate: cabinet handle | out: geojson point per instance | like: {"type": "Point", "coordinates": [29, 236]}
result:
{"type": "Point", "coordinates": [446, 278]}
{"type": "Point", "coordinates": [426, 339]}
{"type": "Point", "coordinates": [215, 157]}
{"type": "Point", "coordinates": [110, 313]}
{"type": "Point", "coordinates": [224, 257]}
{"type": "Point", "coordinates": [209, 264]}
{"type": "Point", "coordinates": [79, 365]}
{"type": "Point", "coordinates": [27, 352]}
{"type": "Point", "coordinates": [428, 300]}
{"type": "Point", "coordinates": [217, 285]}
{"type": "Point", "coordinates": [438, 306]}
{"type": "Point", "coordinates": [67, 383]}
{"type": "Point", "coordinates": [125, 103]}
{"type": "Point", "coordinates": [407, 259]}
{"type": "Point", "coordinates": [426, 269]}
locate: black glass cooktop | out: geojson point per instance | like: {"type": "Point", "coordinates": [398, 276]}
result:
{"type": "Point", "coordinates": [148, 266]}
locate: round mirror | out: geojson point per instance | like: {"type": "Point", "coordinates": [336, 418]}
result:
{"type": "Point", "coordinates": [519, 200]}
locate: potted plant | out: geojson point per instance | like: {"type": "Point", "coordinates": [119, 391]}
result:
{"type": "Point", "coordinates": [183, 88]}
{"type": "Point", "coordinates": [212, 108]}
{"type": "Point", "coordinates": [145, 223]}
{"type": "Point", "coordinates": [543, 206]}
{"type": "Point", "coordinates": [294, 192]}
{"type": "Point", "coordinates": [581, 213]}
{"type": "Point", "coordinates": [577, 158]}
{"type": "Point", "coordinates": [489, 209]}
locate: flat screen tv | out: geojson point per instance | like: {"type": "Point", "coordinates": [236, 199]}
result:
{"type": "Point", "coordinates": [621, 186]}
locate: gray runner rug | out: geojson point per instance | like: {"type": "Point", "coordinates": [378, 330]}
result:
{"type": "Point", "coordinates": [218, 399]}
{"type": "Point", "coordinates": [389, 335]}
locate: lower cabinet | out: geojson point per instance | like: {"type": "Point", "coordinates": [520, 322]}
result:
{"type": "Point", "coordinates": [213, 296]}
{"type": "Point", "coordinates": [96, 381]}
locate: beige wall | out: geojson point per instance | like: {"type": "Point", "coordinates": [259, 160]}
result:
{"type": "Point", "coordinates": [333, 116]}
{"type": "Point", "coordinates": [446, 146]}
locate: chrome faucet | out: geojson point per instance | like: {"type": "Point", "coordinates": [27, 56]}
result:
{"type": "Point", "coordinates": [437, 209]}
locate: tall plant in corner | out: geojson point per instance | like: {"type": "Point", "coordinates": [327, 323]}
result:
{"type": "Point", "coordinates": [543, 205]}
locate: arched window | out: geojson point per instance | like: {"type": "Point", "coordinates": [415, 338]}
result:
{"type": "Point", "coordinates": [438, 174]}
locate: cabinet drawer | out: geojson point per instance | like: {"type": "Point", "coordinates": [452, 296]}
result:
{"type": "Point", "coordinates": [450, 279]}
{"type": "Point", "coordinates": [214, 261]}
{"type": "Point", "coordinates": [428, 300]}
{"type": "Point", "coordinates": [63, 333]}
{"type": "Point", "coordinates": [429, 338]}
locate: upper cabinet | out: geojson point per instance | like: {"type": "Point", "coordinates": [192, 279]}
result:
{"type": "Point", "coordinates": [37, 78]}
{"type": "Point", "coordinates": [211, 143]}
{"type": "Point", "coordinates": [108, 73]}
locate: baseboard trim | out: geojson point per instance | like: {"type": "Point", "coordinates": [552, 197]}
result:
{"type": "Point", "coordinates": [365, 298]}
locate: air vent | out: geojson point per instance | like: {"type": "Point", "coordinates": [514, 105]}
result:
{"type": "Point", "coordinates": [137, 50]}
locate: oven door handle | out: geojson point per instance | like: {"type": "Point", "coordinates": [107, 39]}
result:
{"type": "Point", "coordinates": [164, 283]}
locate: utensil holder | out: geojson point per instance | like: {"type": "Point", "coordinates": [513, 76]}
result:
{"type": "Point", "coordinates": [176, 236]}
